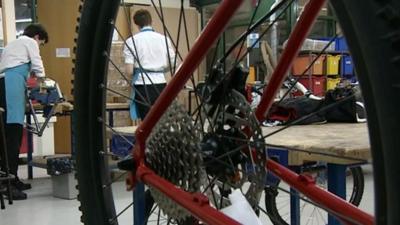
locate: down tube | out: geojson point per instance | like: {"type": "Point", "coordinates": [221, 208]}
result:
{"type": "Point", "coordinates": [199, 50]}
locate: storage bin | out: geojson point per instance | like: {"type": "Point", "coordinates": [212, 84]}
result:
{"type": "Point", "coordinates": [302, 62]}
{"type": "Point", "coordinates": [316, 84]}
{"type": "Point", "coordinates": [346, 65]}
{"type": "Point", "coordinates": [331, 82]}
{"type": "Point", "coordinates": [43, 145]}
{"type": "Point", "coordinates": [332, 64]}
{"type": "Point", "coordinates": [317, 45]}
{"type": "Point", "coordinates": [64, 186]}
{"type": "Point", "coordinates": [341, 44]}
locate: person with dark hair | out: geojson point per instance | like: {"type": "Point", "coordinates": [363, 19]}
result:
{"type": "Point", "coordinates": [19, 59]}
{"type": "Point", "coordinates": [36, 29]}
{"type": "Point", "coordinates": [147, 55]}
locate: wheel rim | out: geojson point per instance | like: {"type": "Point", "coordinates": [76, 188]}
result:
{"type": "Point", "coordinates": [106, 195]}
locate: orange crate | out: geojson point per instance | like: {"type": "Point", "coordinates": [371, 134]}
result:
{"type": "Point", "coordinates": [301, 63]}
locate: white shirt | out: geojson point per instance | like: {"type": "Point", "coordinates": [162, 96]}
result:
{"type": "Point", "coordinates": [152, 54]}
{"type": "Point", "coordinates": [20, 51]}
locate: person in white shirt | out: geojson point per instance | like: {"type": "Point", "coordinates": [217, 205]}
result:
{"type": "Point", "coordinates": [19, 59]}
{"type": "Point", "coordinates": [148, 55]}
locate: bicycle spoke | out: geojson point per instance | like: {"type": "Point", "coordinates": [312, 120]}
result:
{"type": "Point", "coordinates": [166, 29]}
{"type": "Point", "coordinates": [117, 178]}
{"type": "Point", "coordinates": [262, 34]}
{"type": "Point", "coordinates": [253, 16]}
{"type": "Point", "coordinates": [317, 205]}
{"type": "Point", "coordinates": [113, 220]}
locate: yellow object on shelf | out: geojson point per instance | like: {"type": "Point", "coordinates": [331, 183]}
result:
{"type": "Point", "coordinates": [332, 64]}
{"type": "Point", "coordinates": [331, 83]}
{"type": "Point", "coordinates": [251, 79]}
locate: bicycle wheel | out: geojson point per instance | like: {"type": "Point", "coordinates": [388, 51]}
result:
{"type": "Point", "coordinates": [95, 35]}
{"type": "Point", "coordinates": [277, 196]}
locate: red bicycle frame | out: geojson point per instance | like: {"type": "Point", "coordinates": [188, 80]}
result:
{"type": "Point", "coordinates": [197, 203]}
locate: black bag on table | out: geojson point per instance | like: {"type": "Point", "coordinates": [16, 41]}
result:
{"type": "Point", "coordinates": [291, 109]}
{"type": "Point", "coordinates": [349, 106]}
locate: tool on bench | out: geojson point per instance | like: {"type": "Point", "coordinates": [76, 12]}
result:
{"type": "Point", "coordinates": [48, 95]}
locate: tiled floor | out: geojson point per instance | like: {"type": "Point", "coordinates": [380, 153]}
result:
{"type": "Point", "coordinates": [42, 208]}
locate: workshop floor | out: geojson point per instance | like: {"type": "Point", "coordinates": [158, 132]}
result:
{"type": "Point", "coordinates": [41, 208]}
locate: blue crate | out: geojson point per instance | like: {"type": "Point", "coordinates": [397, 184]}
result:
{"type": "Point", "coordinates": [341, 44]}
{"type": "Point", "coordinates": [346, 67]}
{"type": "Point", "coordinates": [122, 146]}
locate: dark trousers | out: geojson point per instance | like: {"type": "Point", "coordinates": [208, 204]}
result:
{"type": "Point", "coordinates": [13, 135]}
{"type": "Point", "coordinates": [13, 143]}
{"type": "Point", "coordinates": [145, 97]}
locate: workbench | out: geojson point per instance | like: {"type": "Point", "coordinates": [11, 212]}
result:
{"type": "Point", "coordinates": [338, 145]}
{"type": "Point", "coordinates": [112, 107]}
{"type": "Point", "coordinates": [348, 141]}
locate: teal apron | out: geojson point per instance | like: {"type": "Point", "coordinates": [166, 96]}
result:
{"type": "Point", "coordinates": [132, 107]}
{"type": "Point", "coordinates": [15, 85]}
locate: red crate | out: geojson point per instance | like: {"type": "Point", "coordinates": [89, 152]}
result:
{"type": "Point", "coordinates": [316, 84]}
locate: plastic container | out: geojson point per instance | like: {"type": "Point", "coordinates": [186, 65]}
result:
{"type": "Point", "coordinates": [302, 62]}
{"type": "Point", "coordinates": [332, 64]}
{"type": "Point", "coordinates": [331, 82]}
{"type": "Point", "coordinates": [316, 84]}
{"type": "Point", "coordinates": [43, 145]}
{"type": "Point", "coordinates": [317, 45]}
{"type": "Point", "coordinates": [341, 44]}
{"type": "Point", "coordinates": [347, 65]}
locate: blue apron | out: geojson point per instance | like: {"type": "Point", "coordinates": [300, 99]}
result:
{"type": "Point", "coordinates": [132, 107]}
{"type": "Point", "coordinates": [15, 85]}
{"type": "Point", "coordinates": [137, 71]}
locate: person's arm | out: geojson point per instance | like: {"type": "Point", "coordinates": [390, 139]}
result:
{"type": "Point", "coordinates": [35, 59]}
{"type": "Point", "coordinates": [129, 69]}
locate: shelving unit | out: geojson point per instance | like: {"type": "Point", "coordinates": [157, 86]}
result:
{"type": "Point", "coordinates": [327, 71]}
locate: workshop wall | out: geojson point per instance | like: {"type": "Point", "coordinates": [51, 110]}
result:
{"type": "Point", "coordinates": [60, 19]}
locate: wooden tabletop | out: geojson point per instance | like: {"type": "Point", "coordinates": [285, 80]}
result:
{"type": "Point", "coordinates": [349, 140]}
{"type": "Point", "coordinates": [117, 105]}
{"type": "Point", "coordinates": [341, 143]}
